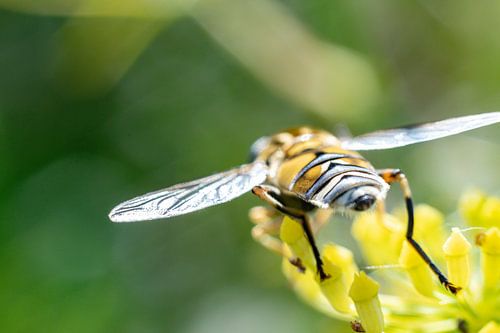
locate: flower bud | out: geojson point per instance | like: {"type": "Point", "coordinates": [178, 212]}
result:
{"type": "Point", "coordinates": [470, 206]}
{"type": "Point", "coordinates": [334, 288]}
{"type": "Point", "coordinates": [293, 235]}
{"type": "Point", "coordinates": [343, 258]}
{"type": "Point", "coordinates": [491, 327]}
{"type": "Point", "coordinates": [364, 293]}
{"type": "Point", "coordinates": [456, 250]}
{"type": "Point", "coordinates": [490, 214]}
{"type": "Point", "coordinates": [418, 271]}
{"type": "Point", "coordinates": [429, 226]}
{"type": "Point", "coordinates": [489, 242]}
{"type": "Point", "coordinates": [380, 237]}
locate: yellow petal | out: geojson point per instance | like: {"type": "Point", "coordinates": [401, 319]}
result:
{"type": "Point", "coordinates": [379, 238]}
{"type": "Point", "coordinates": [429, 226]}
{"type": "Point", "coordinates": [343, 258]}
{"type": "Point", "coordinates": [364, 293]}
{"type": "Point", "coordinates": [293, 235]}
{"type": "Point", "coordinates": [489, 242]}
{"type": "Point", "coordinates": [470, 206]}
{"type": "Point", "coordinates": [334, 288]}
{"type": "Point", "coordinates": [490, 212]}
{"type": "Point", "coordinates": [456, 250]}
{"type": "Point", "coordinates": [418, 271]}
{"type": "Point", "coordinates": [304, 284]}
{"type": "Point", "coordinates": [479, 209]}
{"type": "Point", "coordinates": [491, 327]}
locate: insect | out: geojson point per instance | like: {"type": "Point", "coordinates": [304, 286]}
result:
{"type": "Point", "coordinates": [304, 170]}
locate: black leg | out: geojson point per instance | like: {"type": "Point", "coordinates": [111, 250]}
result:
{"type": "Point", "coordinates": [395, 175]}
{"type": "Point", "coordinates": [295, 208]}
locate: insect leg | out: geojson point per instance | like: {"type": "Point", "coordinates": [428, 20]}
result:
{"type": "Point", "coordinates": [321, 219]}
{"type": "Point", "coordinates": [267, 224]}
{"type": "Point", "coordinates": [395, 175]}
{"type": "Point", "coordinates": [296, 208]}
{"type": "Point", "coordinates": [380, 211]}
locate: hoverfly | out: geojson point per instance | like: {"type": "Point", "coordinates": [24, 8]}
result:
{"type": "Point", "coordinates": [303, 170]}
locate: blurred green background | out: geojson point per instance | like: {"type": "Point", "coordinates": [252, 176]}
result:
{"type": "Point", "coordinates": [102, 101]}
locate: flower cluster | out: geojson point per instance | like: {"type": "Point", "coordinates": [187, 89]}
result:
{"type": "Point", "coordinates": [401, 294]}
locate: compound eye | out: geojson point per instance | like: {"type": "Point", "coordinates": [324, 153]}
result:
{"type": "Point", "coordinates": [363, 202]}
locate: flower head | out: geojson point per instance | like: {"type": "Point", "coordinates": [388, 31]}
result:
{"type": "Point", "coordinates": [401, 293]}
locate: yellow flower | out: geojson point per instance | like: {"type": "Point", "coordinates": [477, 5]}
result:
{"type": "Point", "coordinates": [364, 293]}
{"type": "Point", "coordinates": [490, 259]}
{"type": "Point", "coordinates": [456, 250]}
{"type": "Point", "coordinates": [491, 327]}
{"type": "Point", "coordinates": [403, 294]}
{"type": "Point", "coordinates": [419, 273]}
{"type": "Point", "coordinates": [478, 209]}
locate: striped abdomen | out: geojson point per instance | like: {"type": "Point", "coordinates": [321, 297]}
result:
{"type": "Point", "coordinates": [326, 175]}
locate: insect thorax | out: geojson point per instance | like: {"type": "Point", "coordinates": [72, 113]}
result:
{"type": "Point", "coordinates": [311, 164]}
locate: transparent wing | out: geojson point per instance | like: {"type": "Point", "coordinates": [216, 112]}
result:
{"type": "Point", "coordinates": [188, 197]}
{"type": "Point", "coordinates": [408, 135]}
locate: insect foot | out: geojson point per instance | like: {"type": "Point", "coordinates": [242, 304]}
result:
{"type": "Point", "coordinates": [406, 297]}
{"type": "Point", "coordinates": [451, 287]}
